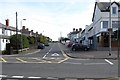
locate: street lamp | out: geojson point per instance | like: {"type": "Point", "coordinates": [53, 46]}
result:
{"type": "Point", "coordinates": [21, 34]}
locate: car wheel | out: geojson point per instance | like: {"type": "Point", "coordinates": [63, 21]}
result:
{"type": "Point", "coordinates": [85, 49]}
{"type": "Point", "coordinates": [73, 49]}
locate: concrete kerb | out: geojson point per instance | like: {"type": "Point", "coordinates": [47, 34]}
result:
{"type": "Point", "coordinates": [24, 52]}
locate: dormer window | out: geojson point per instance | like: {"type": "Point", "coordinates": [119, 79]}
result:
{"type": "Point", "coordinates": [114, 10]}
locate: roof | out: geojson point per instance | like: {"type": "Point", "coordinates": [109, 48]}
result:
{"type": "Point", "coordinates": [76, 32]}
{"type": "Point", "coordinates": [104, 7]}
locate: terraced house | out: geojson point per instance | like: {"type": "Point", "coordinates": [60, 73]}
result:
{"type": "Point", "coordinates": [106, 16]}
{"type": "Point", "coordinates": [5, 32]}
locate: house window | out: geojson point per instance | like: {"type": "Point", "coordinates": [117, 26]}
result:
{"type": "Point", "coordinates": [3, 30]}
{"type": "Point", "coordinates": [115, 24]}
{"type": "Point", "coordinates": [114, 10]}
{"type": "Point", "coordinates": [105, 24]}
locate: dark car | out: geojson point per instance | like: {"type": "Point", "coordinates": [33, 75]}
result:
{"type": "Point", "coordinates": [46, 44]}
{"type": "Point", "coordinates": [69, 44]}
{"type": "Point", "coordinates": [77, 46]}
{"type": "Point", "coordinates": [41, 46]}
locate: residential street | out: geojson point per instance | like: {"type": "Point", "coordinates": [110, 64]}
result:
{"type": "Point", "coordinates": [52, 62]}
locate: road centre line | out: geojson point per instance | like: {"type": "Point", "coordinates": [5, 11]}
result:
{"type": "Point", "coordinates": [85, 63]}
{"type": "Point", "coordinates": [3, 60]}
{"type": "Point", "coordinates": [34, 77]}
{"type": "Point", "coordinates": [17, 76]}
{"type": "Point", "coordinates": [109, 62]}
{"type": "Point", "coordinates": [48, 51]}
{"type": "Point", "coordinates": [3, 76]}
{"type": "Point", "coordinates": [72, 63]}
{"type": "Point", "coordinates": [21, 60]}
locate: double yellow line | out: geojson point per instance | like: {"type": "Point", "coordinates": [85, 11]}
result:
{"type": "Point", "coordinates": [3, 60]}
{"type": "Point", "coordinates": [21, 60]}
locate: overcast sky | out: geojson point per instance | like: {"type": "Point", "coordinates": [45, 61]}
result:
{"type": "Point", "coordinates": [49, 17]}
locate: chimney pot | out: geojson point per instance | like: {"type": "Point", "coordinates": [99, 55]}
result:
{"type": "Point", "coordinates": [73, 29]}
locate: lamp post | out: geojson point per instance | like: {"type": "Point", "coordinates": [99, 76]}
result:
{"type": "Point", "coordinates": [21, 34]}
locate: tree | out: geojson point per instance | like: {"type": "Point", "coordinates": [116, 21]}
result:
{"type": "Point", "coordinates": [22, 41]}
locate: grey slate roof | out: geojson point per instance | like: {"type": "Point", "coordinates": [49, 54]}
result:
{"type": "Point", "coordinates": [104, 6]}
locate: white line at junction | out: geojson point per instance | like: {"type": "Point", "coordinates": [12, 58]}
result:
{"type": "Point", "coordinates": [109, 62]}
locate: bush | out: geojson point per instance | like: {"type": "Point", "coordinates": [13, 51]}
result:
{"type": "Point", "coordinates": [5, 52]}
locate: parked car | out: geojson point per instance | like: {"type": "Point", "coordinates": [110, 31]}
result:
{"type": "Point", "coordinates": [46, 44]}
{"type": "Point", "coordinates": [78, 46]}
{"type": "Point", "coordinates": [69, 44]}
{"type": "Point", "coordinates": [41, 46]}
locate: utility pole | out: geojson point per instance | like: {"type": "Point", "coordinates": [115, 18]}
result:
{"type": "Point", "coordinates": [110, 30]}
{"type": "Point", "coordinates": [118, 37]}
{"type": "Point", "coordinates": [16, 34]}
{"type": "Point", "coordinates": [118, 56]}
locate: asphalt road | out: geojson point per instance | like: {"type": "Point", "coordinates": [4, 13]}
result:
{"type": "Point", "coordinates": [52, 62]}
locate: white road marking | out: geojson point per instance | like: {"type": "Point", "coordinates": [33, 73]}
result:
{"type": "Point", "coordinates": [79, 59]}
{"type": "Point", "coordinates": [48, 52]}
{"type": "Point", "coordinates": [3, 75]}
{"type": "Point", "coordinates": [85, 63]}
{"type": "Point", "coordinates": [17, 76]}
{"type": "Point", "coordinates": [94, 63]}
{"type": "Point", "coordinates": [70, 79]}
{"type": "Point", "coordinates": [109, 62]}
{"type": "Point", "coordinates": [34, 77]}
{"type": "Point", "coordinates": [72, 63]}
{"type": "Point", "coordinates": [55, 54]}
{"type": "Point", "coordinates": [51, 78]}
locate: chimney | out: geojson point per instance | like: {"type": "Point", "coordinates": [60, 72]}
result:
{"type": "Point", "coordinates": [23, 27]}
{"type": "Point", "coordinates": [32, 31]}
{"type": "Point", "coordinates": [80, 29]}
{"type": "Point", "coordinates": [76, 30]}
{"type": "Point", "coordinates": [36, 32]}
{"type": "Point", "coordinates": [73, 29]}
{"type": "Point", "coordinates": [27, 29]}
{"type": "Point", "coordinates": [7, 22]}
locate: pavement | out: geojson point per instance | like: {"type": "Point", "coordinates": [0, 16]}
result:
{"type": "Point", "coordinates": [93, 54]}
